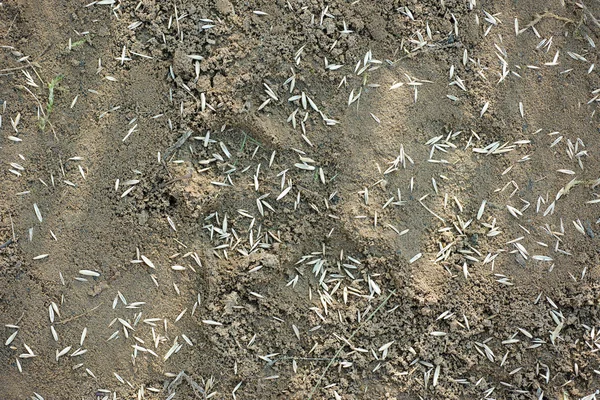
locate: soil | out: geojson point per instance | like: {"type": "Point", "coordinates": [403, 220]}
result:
{"type": "Point", "coordinates": [200, 198]}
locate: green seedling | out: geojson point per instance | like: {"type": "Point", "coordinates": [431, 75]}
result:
{"type": "Point", "coordinates": [50, 105]}
{"type": "Point", "coordinates": [72, 45]}
{"type": "Point", "coordinates": [78, 43]}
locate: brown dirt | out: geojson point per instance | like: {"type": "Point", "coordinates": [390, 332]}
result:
{"type": "Point", "coordinates": [322, 335]}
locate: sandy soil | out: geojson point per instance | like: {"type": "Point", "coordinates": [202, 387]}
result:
{"type": "Point", "coordinates": [278, 199]}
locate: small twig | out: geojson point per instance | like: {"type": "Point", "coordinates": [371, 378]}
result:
{"type": "Point", "coordinates": [314, 389]}
{"type": "Point", "coordinates": [432, 213]}
{"type": "Point", "coordinates": [78, 316]}
{"type": "Point", "coordinates": [11, 25]}
{"type": "Point", "coordinates": [43, 52]}
{"type": "Point", "coordinates": [7, 243]}
{"type": "Point", "coordinates": [20, 318]}
{"type": "Point", "coordinates": [15, 68]}
{"type": "Point", "coordinates": [30, 64]}
{"type": "Point", "coordinates": [171, 150]}
{"type": "Point", "coordinates": [35, 70]}
{"type": "Point", "coordinates": [428, 50]}
{"type": "Point", "coordinates": [589, 14]}
{"type": "Point", "coordinates": [53, 131]}
{"type": "Point", "coordinates": [548, 14]}
{"type": "Point", "coordinates": [12, 227]}
{"type": "Point", "coordinates": [35, 97]}
{"type": "Point", "coordinates": [187, 176]}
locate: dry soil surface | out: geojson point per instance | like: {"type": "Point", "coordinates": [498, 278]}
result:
{"type": "Point", "coordinates": [295, 199]}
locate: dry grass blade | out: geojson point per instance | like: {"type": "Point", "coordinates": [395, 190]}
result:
{"type": "Point", "coordinates": [64, 321]}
